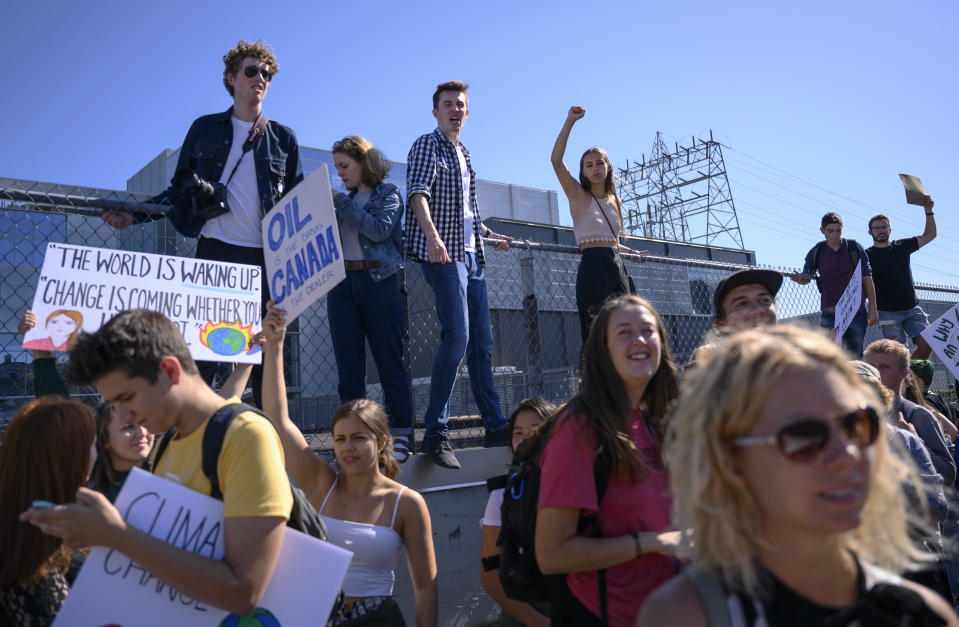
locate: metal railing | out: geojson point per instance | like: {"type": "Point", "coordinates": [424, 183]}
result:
{"type": "Point", "coordinates": [531, 293]}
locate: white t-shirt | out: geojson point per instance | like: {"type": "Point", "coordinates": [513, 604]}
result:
{"type": "Point", "coordinates": [349, 235]}
{"type": "Point", "coordinates": [469, 240]}
{"type": "Point", "coordinates": [493, 516]}
{"type": "Point", "coordinates": [241, 224]}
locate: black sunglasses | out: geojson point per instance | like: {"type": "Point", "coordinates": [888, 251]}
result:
{"type": "Point", "coordinates": [252, 70]}
{"type": "Point", "coordinates": [803, 440]}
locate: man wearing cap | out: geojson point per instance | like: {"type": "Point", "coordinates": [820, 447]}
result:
{"type": "Point", "coordinates": [746, 300]}
{"type": "Point", "coordinates": [743, 300]}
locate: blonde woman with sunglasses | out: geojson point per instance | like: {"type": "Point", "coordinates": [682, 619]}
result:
{"type": "Point", "coordinates": [782, 474]}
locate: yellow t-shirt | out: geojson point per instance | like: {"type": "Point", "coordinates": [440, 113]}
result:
{"type": "Point", "coordinates": [250, 468]}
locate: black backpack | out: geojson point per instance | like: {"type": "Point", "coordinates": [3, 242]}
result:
{"type": "Point", "coordinates": [303, 516]}
{"type": "Point", "coordinates": [519, 572]}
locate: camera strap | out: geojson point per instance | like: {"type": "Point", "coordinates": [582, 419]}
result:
{"type": "Point", "coordinates": [256, 131]}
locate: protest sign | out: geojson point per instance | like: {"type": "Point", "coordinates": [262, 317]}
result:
{"type": "Point", "coordinates": [848, 305]}
{"type": "Point", "coordinates": [301, 243]}
{"type": "Point", "coordinates": [111, 589]}
{"type": "Point", "coordinates": [215, 305]}
{"type": "Point", "coordinates": [943, 336]}
{"type": "Point", "coordinates": [915, 193]}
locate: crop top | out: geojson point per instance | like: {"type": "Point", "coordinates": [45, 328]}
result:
{"type": "Point", "coordinates": [592, 226]}
{"type": "Point", "coordinates": [375, 548]}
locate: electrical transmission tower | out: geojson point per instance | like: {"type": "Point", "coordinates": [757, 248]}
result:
{"type": "Point", "coordinates": [681, 195]}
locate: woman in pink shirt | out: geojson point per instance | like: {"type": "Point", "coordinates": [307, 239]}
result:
{"type": "Point", "coordinates": [616, 421]}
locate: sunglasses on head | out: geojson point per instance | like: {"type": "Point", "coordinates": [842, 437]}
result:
{"type": "Point", "coordinates": [252, 70]}
{"type": "Point", "coordinates": [803, 440]}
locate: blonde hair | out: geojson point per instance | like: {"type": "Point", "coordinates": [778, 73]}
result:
{"type": "Point", "coordinates": [722, 402]}
{"type": "Point", "coordinates": [373, 162]}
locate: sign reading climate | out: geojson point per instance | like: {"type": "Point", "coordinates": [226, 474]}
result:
{"type": "Point", "coordinates": [301, 244]}
{"type": "Point", "coordinates": [215, 305]}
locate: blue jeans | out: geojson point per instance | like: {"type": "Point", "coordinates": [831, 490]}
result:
{"type": "Point", "coordinates": [852, 339]}
{"type": "Point", "coordinates": [361, 309]}
{"type": "Point", "coordinates": [462, 306]}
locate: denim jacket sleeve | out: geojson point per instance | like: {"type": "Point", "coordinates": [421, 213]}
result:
{"type": "Point", "coordinates": [378, 219]}
{"type": "Point", "coordinates": [294, 168]}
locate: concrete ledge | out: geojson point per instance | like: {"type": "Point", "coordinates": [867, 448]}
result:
{"type": "Point", "coordinates": [479, 464]}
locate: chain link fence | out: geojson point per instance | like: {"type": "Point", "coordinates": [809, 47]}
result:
{"type": "Point", "coordinates": [531, 293]}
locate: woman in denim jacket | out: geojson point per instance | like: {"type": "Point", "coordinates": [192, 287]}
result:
{"type": "Point", "coordinates": [368, 304]}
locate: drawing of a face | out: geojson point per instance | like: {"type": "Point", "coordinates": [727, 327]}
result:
{"type": "Point", "coordinates": [60, 327]}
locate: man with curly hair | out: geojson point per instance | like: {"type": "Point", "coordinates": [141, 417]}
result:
{"type": "Point", "coordinates": [216, 151]}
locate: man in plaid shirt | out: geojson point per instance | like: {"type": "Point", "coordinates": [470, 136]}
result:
{"type": "Point", "coordinates": [445, 234]}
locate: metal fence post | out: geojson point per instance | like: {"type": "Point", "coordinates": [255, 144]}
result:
{"type": "Point", "coordinates": [534, 376]}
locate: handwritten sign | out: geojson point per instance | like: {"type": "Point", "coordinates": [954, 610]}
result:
{"type": "Point", "coordinates": [301, 243]}
{"type": "Point", "coordinates": [915, 192]}
{"type": "Point", "coordinates": [112, 589]}
{"type": "Point", "coordinates": [215, 305]}
{"type": "Point", "coordinates": [943, 336]}
{"type": "Point", "coordinates": [849, 303]}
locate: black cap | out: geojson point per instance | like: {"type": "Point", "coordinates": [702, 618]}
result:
{"type": "Point", "coordinates": [770, 279]}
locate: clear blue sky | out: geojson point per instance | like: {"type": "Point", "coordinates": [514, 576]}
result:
{"type": "Point", "coordinates": [843, 95]}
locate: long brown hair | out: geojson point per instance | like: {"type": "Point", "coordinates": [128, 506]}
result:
{"type": "Point", "coordinates": [373, 417]}
{"type": "Point", "coordinates": [602, 396]}
{"type": "Point", "coordinates": [45, 455]}
{"type": "Point", "coordinates": [609, 185]}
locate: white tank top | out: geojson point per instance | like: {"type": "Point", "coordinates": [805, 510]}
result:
{"type": "Point", "coordinates": [375, 548]}
{"type": "Point", "coordinates": [594, 223]}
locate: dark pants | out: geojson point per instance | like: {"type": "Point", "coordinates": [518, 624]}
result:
{"type": "Point", "coordinates": [852, 339]}
{"type": "Point", "coordinates": [360, 310]}
{"type": "Point", "coordinates": [601, 274]}
{"type": "Point", "coordinates": [218, 250]}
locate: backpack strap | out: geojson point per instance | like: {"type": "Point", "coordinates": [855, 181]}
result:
{"type": "Point", "coordinates": [496, 483]}
{"type": "Point", "coordinates": [213, 437]}
{"type": "Point", "coordinates": [711, 595]}
{"type": "Point", "coordinates": [161, 445]}
{"type": "Point", "coordinates": [853, 247]}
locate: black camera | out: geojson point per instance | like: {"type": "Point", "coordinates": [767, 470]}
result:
{"type": "Point", "coordinates": [209, 198]}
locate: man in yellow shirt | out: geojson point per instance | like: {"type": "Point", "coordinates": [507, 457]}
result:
{"type": "Point", "coordinates": [141, 364]}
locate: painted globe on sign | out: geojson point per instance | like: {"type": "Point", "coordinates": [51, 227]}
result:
{"type": "Point", "coordinates": [257, 618]}
{"type": "Point", "coordinates": [227, 341]}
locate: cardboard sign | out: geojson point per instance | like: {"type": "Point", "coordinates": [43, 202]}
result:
{"type": "Point", "coordinates": [848, 305]}
{"type": "Point", "coordinates": [111, 589]}
{"type": "Point", "coordinates": [215, 305]}
{"type": "Point", "coordinates": [301, 243]}
{"type": "Point", "coordinates": [943, 336]}
{"type": "Point", "coordinates": [915, 193]}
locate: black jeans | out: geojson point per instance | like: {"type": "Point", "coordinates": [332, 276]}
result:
{"type": "Point", "coordinates": [218, 250]}
{"type": "Point", "coordinates": [601, 274]}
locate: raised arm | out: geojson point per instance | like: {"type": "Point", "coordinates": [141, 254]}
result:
{"type": "Point", "coordinates": [929, 233]}
{"type": "Point", "coordinates": [310, 471]}
{"type": "Point", "coordinates": [235, 384]}
{"type": "Point", "coordinates": [571, 186]}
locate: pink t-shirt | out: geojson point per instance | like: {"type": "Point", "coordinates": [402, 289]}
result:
{"type": "Point", "coordinates": [567, 480]}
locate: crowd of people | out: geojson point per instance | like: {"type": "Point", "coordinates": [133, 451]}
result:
{"type": "Point", "coordinates": [769, 481]}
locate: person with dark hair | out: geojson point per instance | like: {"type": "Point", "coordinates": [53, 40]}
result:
{"type": "Point", "coordinates": [365, 510]}
{"type": "Point", "coordinates": [835, 260]}
{"type": "Point", "coordinates": [219, 192]}
{"type": "Point", "coordinates": [141, 364]}
{"type": "Point", "coordinates": [924, 372]}
{"type": "Point", "coordinates": [525, 419]}
{"type": "Point", "coordinates": [368, 305]}
{"type": "Point", "coordinates": [616, 421]}
{"type": "Point", "coordinates": [444, 233]}
{"type": "Point", "coordinates": [900, 315]}
{"type": "Point", "coordinates": [598, 224]}
{"type": "Point", "coordinates": [47, 453]}
{"type": "Point", "coordinates": [122, 445]}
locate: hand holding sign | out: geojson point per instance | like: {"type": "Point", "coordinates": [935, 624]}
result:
{"type": "Point", "coordinates": [915, 193]}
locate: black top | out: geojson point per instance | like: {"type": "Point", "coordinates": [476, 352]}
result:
{"type": "Point", "coordinates": [38, 604]}
{"type": "Point", "coordinates": [892, 274]}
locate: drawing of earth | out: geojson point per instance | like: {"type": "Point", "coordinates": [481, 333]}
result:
{"type": "Point", "coordinates": [257, 618]}
{"type": "Point", "coordinates": [226, 341]}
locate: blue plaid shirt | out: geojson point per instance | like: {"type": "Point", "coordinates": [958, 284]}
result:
{"type": "Point", "coordinates": [433, 169]}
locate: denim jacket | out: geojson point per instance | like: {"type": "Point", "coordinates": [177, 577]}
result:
{"type": "Point", "coordinates": [276, 159]}
{"type": "Point", "coordinates": [380, 226]}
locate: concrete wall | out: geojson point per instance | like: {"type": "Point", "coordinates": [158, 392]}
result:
{"type": "Point", "coordinates": [456, 499]}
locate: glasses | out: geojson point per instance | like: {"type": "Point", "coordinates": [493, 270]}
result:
{"type": "Point", "coordinates": [252, 70]}
{"type": "Point", "coordinates": [803, 440]}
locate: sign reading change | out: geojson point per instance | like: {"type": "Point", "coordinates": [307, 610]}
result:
{"type": "Point", "coordinates": [112, 589]}
{"type": "Point", "coordinates": [215, 305]}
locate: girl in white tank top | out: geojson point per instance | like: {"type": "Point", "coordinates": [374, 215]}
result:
{"type": "Point", "coordinates": [365, 510]}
